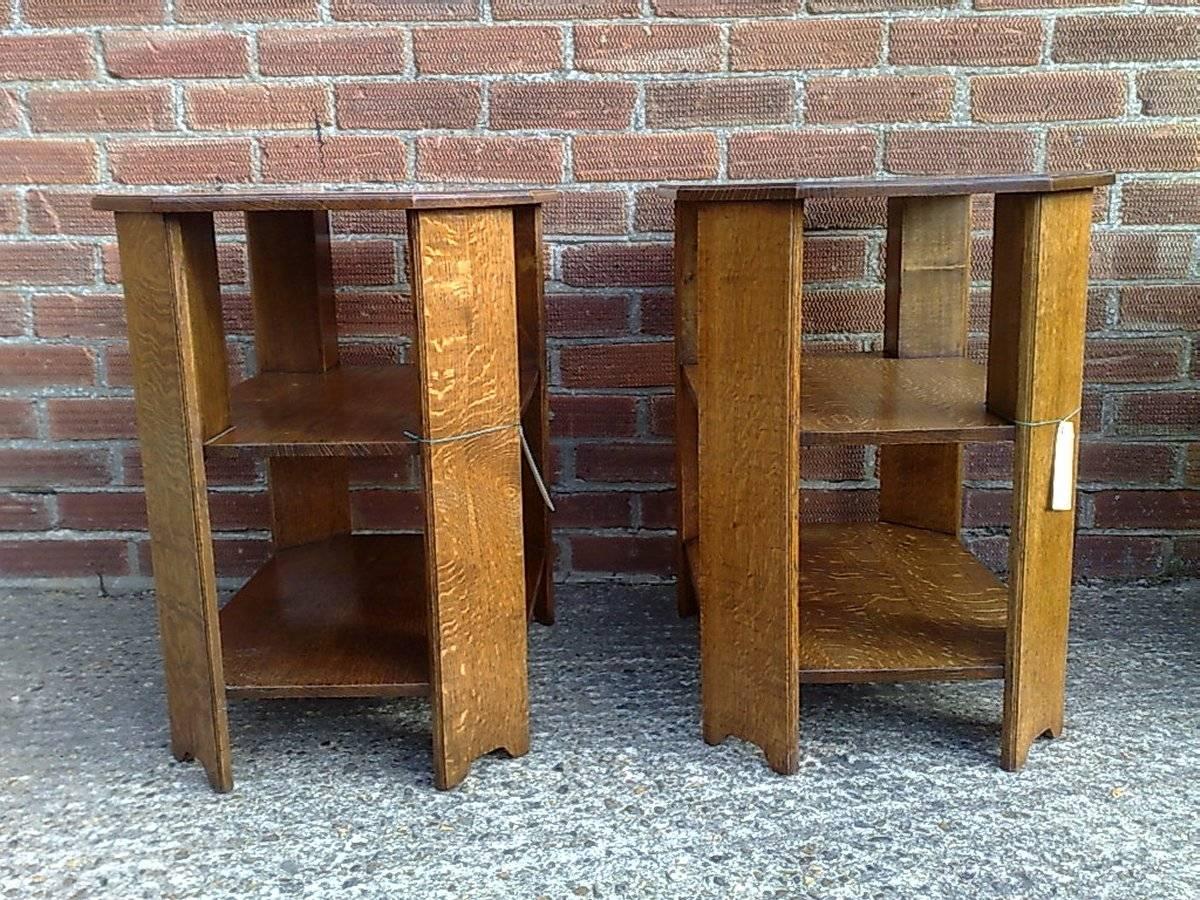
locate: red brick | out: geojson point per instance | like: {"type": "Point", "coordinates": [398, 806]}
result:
{"type": "Point", "coordinates": [1160, 510]}
{"type": "Point", "coordinates": [967, 41]}
{"type": "Point", "coordinates": [121, 109]}
{"type": "Point", "coordinates": [345, 158]}
{"type": "Point", "coordinates": [69, 557]}
{"type": "Point", "coordinates": [10, 111]}
{"type": "Point", "coordinates": [1101, 463]}
{"type": "Point", "coordinates": [1042, 4]}
{"type": "Point", "coordinates": [41, 262]}
{"type": "Point", "coordinates": [805, 44]}
{"type": "Point", "coordinates": [586, 212]}
{"type": "Point", "coordinates": [695, 9]}
{"type": "Point", "coordinates": [234, 107]}
{"type": "Point", "coordinates": [167, 54]}
{"type": "Point", "coordinates": [727, 101]}
{"type": "Point", "coordinates": [487, 49]}
{"type": "Point", "coordinates": [839, 506]}
{"type": "Point", "coordinates": [408, 105]}
{"type": "Point", "coordinates": [656, 314]}
{"type": "Point", "coordinates": [647, 48]}
{"type": "Point", "coordinates": [372, 312]}
{"type": "Point", "coordinates": [869, 6]}
{"type": "Point", "coordinates": [620, 462]}
{"type": "Point", "coordinates": [827, 463]}
{"type": "Point", "coordinates": [60, 14]}
{"type": "Point", "coordinates": [563, 105]}
{"type": "Point", "coordinates": [1138, 38]}
{"type": "Point", "coordinates": [885, 98]}
{"type": "Point", "coordinates": [958, 151]}
{"type": "Point", "coordinates": [593, 509]}
{"type": "Point", "coordinates": [850, 311]}
{"type": "Point", "coordinates": [586, 315]}
{"type": "Point", "coordinates": [574, 415]}
{"type": "Point", "coordinates": [639, 554]}
{"type": "Point", "coordinates": [1134, 360]}
{"type": "Point", "coordinates": [332, 51]}
{"type": "Point", "coordinates": [24, 512]}
{"type": "Point", "coordinates": [38, 365]}
{"type": "Point", "coordinates": [987, 508]}
{"type": "Point", "coordinates": [47, 161]}
{"type": "Point", "coordinates": [470, 159]}
{"type": "Point", "coordinates": [1173, 306]}
{"type": "Point", "coordinates": [1191, 474]}
{"type": "Point", "coordinates": [90, 418]}
{"type": "Point", "coordinates": [364, 263]}
{"type": "Point", "coordinates": [1124, 148]}
{"type": "Point", "coordinates": [1047, 96]}
{"type": "Point", "coordinates": [1169, 92]}
{"type": "Point", "coordinates": [59, 57]}
{"type": "Point", "coordinates": [1141, 254]}
{"type": "Point", "coordinates": [52, 468]}
{"type": "Point", "coordinates": [1157, 203]}
{"type": "Point", "coordinates": [565, 9]}
{"type": "Point", "coordinates": [611, 265]}
{"type": "Point", "coordinates": [1123, 556]}
{"type": "Point", "coordinates": [78, 315]}
{"type": "Point", "coordinates": [369, 221]}
{"type": "Point", "coordinates": [12, 314]}
{"type": "Point", "coordinates": [801, 154]}
{"type": "Point", "coordinates": [16, 418]}
{"type": "Point", "coordinates": [645, 157]}
{"type": "Point", "coordinates": [655, 210]}
{"type": "Point", "coordinates": [190, 11]}
{"type": "Point", "coordinates": [188, 161]}
{"type": "Point", "coordinates": [848, 212]}
{"type": "Point", "coordinates": [1157, 413]}
{"type": "Point", "coordinates": [617, 365]}
{"type": "Point", "coordinates": [405, 10]}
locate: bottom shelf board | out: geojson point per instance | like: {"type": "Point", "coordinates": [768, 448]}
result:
{"type": "Point", "coordinates": [343, 617]}
{"type": "Point", "coordinates": [882, 602]}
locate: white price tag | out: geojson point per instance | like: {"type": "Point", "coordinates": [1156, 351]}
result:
{"type": "Point", "coordinates": [1062, 475]}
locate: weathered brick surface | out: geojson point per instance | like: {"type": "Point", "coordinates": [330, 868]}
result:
{"type": "Point", "coordinates": [600, 101]}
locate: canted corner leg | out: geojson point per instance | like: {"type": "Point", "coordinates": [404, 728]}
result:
{"type": "Point", "coordinates": [463, 288]}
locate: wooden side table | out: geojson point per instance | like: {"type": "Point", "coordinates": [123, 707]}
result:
{"type": "Point", "coordinates": [334, 613]}
{"type": "Point", "coordinates": [899, 599]}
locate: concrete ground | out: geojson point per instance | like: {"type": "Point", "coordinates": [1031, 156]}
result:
{"type": "Point", "coordinates": [899, 793]}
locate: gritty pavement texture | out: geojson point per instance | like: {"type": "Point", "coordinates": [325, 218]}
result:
{"type": "Point", "coordinates": [899, 793]}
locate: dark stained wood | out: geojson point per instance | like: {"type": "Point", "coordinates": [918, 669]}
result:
{"type": "Point", "coordinates": [882, 602]}
{"type": "Point", "coordinates": [1039, 307]}
{"type": "Point", "coordinates": [347, 411]}
{"type": "Point", "coordinates": [890, 187]}
{"type": "Point", "coordinates": [170, 274]}
{"type": "Point", "coordinates": [926, 308]}
{"type": "Point", "coordinates": [687, 422]}
{"type": "Point", "coordinates": [464, 286]}
{"type": "Point", "coordinates": [867, 399]}
{"type": "Point", "coordinates": [748, 325]}
{"type": "Point", "coordinates": [282, 200]}
{"type": "Point", "coordinates": [535, 415]}
{"type": "Point", "coordinates": [340, 617]}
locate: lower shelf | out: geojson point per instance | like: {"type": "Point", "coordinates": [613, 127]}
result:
{"type": "Point", "coordinates": [882, 602]}
{"type": "Point", "coordinates": [344, 617]}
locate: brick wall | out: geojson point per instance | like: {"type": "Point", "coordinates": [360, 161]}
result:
{"type": "Point", "coordinates": [121, 93]}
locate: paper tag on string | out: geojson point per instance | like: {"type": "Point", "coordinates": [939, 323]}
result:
{"type": "Point", "coordinates": [1062, 473]}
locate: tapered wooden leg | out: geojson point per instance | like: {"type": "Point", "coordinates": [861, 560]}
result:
{"type": "Point", "coordinates": [169, 267]}
{"type": "Point", "coordinates": [687, 423]}
{"type": "Point", "coordinates": [925, 314]}
{"type": "Point", "coordinates": [464, 287]}
{"type": "Point", "coordinates": [531, 331]}
{"type": "Point", "coordinates": [748, 275]}
{"type": "Point", "coordinates": [295, 330]}
{"type": "Point", "coordinates": [1035, 374]}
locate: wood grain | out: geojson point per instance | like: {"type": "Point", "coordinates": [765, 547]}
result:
{"type": "Point", "coordinates": [748, 279]}
{"type": "Point", "coordinates": [687, 422]}
{"type": "Point", "coordinates": [925, 315]}
{"type": "Point", "coordinates": [170, 275]}
{"type": "Point", "coordinates": [535, 416]}
{"type": "Point", "coordinates": [889, 187]}
{"type": "Point", "coordinates": [341, 617]}
{"type": "Point", "coordinates": [1035, 373]}
{"type": "Point", "coordinates": [283, 199]}
{"type": "Point", "coordinates": [464, 287]}
{"type": "Point", "coordinates": [295, 330]}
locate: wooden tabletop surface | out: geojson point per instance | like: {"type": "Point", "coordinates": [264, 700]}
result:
{"type": "Point", "coordinates": [892, 187]}
{"type": "Point", "coordinates": [278, 200]}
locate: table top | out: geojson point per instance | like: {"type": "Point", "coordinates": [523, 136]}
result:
{"type": "Point", "coordinates": [893, 187]}
{"type": "Point", "coordinates": [285, 200]}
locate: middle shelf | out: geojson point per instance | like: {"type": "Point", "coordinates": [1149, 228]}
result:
{"type": "Point", "coordinates": [347, 411]}
{"type": "Point", "coordinates": [862, 398]}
